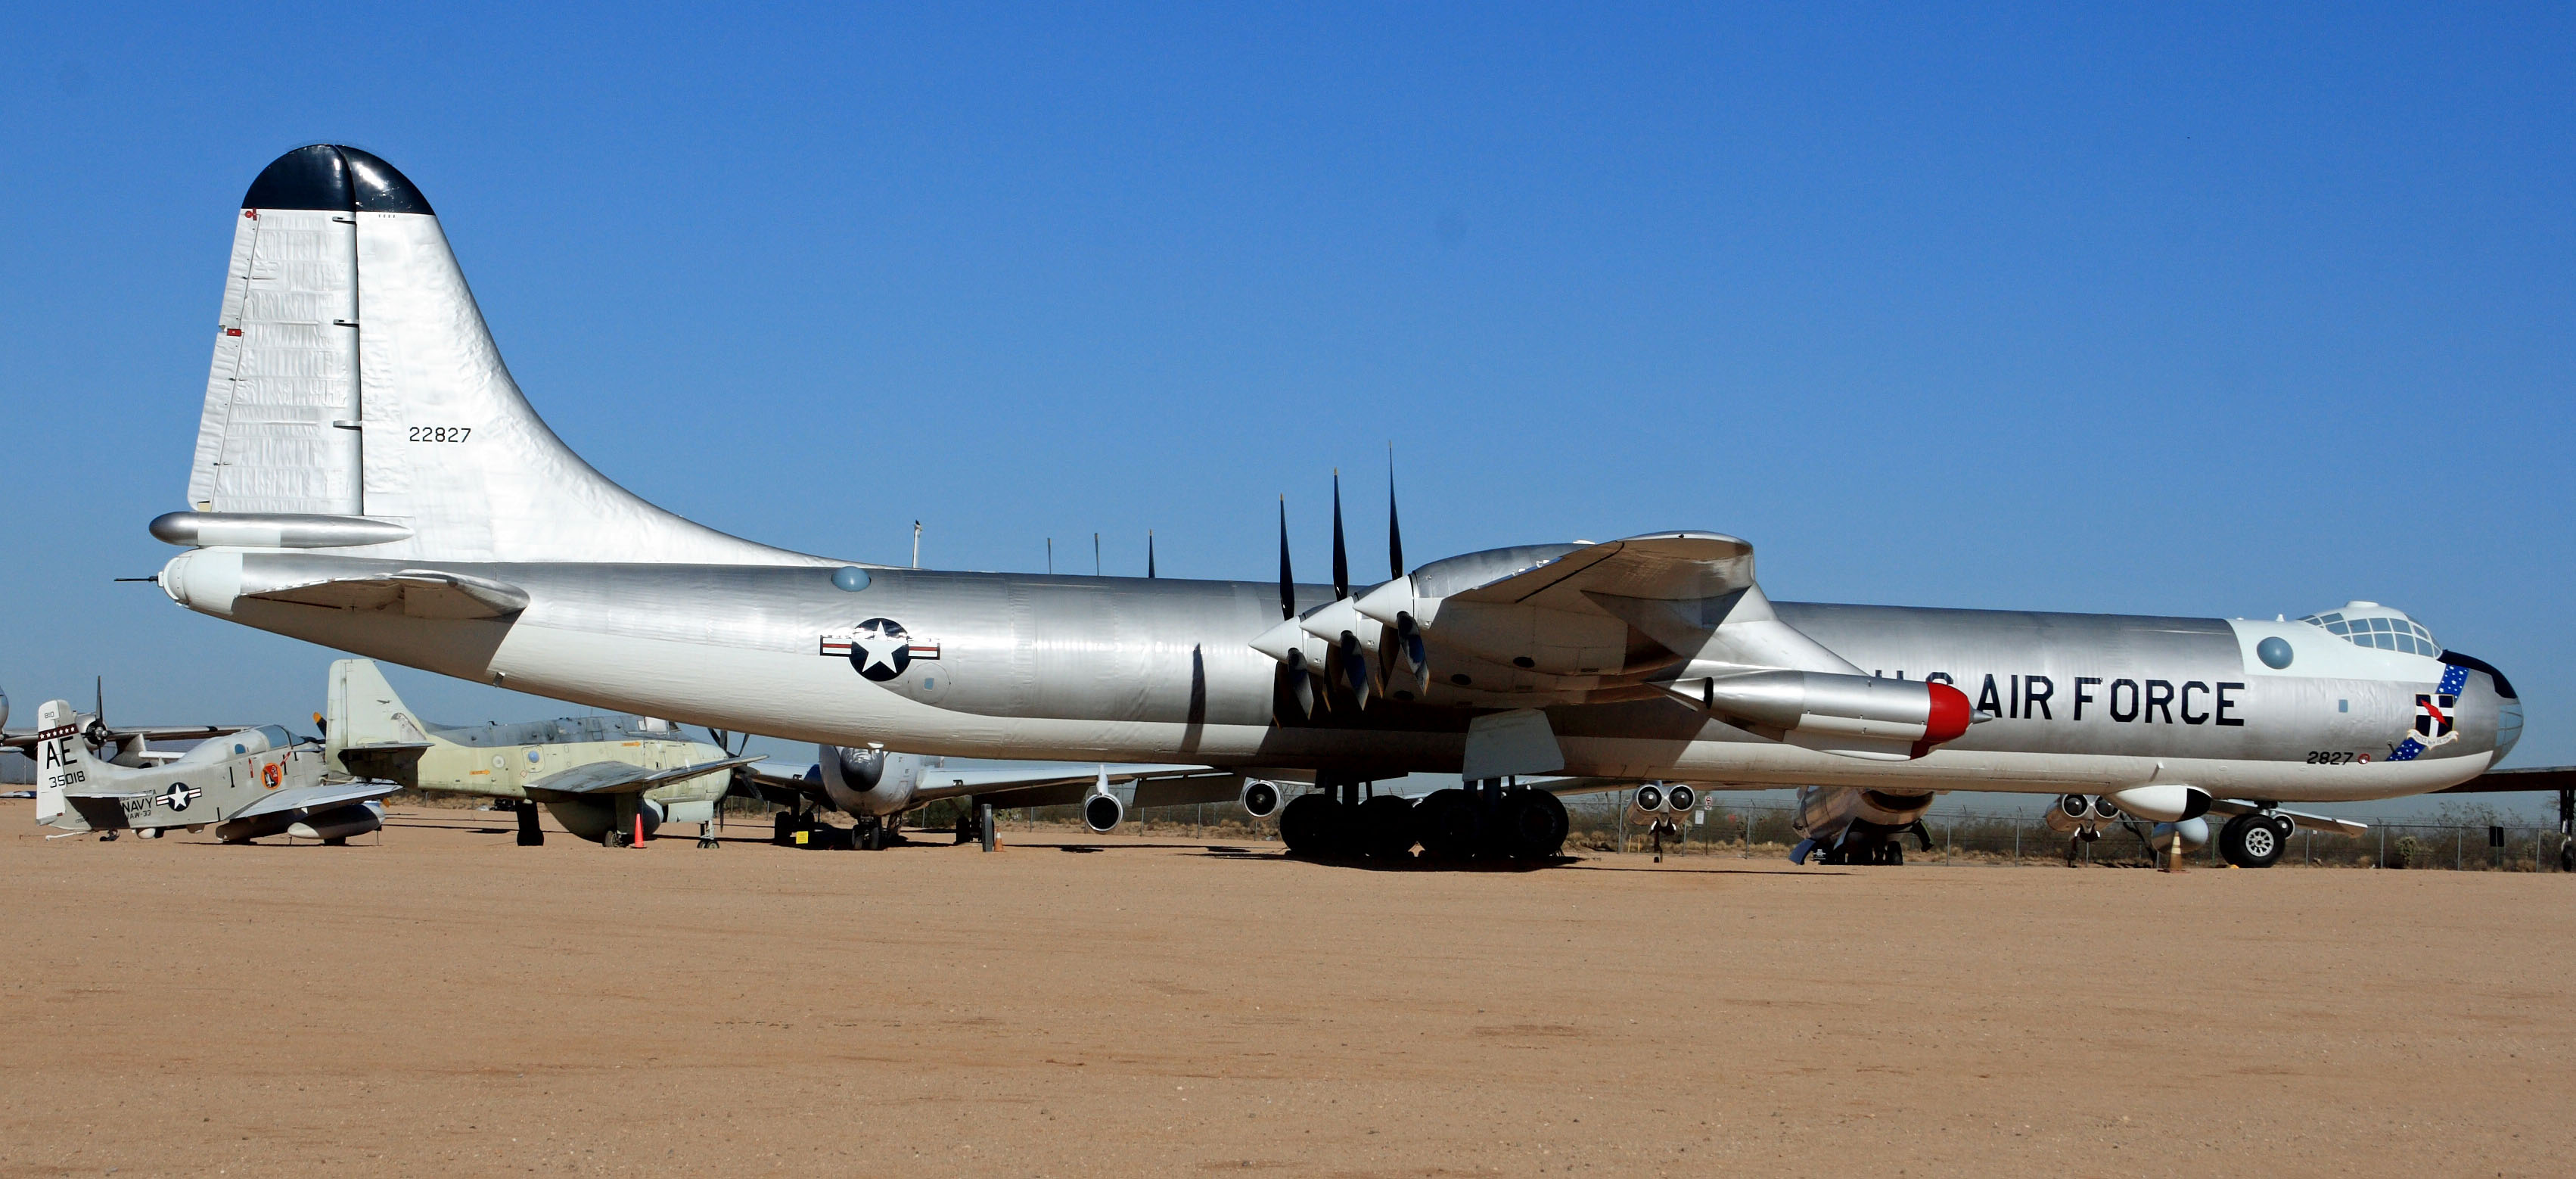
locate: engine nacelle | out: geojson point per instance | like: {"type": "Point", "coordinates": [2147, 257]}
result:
{"type": "Point", "coordinates": [591, 816]}
{"type": "Point", "coordinates": [1260, 798]}
{"type": "Point", "coordinates": [1648, 798]}
{"type": "Point", "coordinates": [1102, 813]}
{"type": "Point", "coordinates": [1856, 715]}
{"type": "Point", "coordinates": [2193, 832]}
{"type": "Point", "coordinates": [2075, 814]}
{"type": "Point", "coordinates": [1824, 811]}
{"type": "Point", "coordinates": [2164, 804]}
{"type": "Point", "coordinates": [858, 782]}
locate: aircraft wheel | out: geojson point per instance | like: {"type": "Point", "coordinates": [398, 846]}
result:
{"type": "Point", "coordinates": [1307, 824]}
{"type": "Point", "coordinates": [1894, 856]}
{"type": "Point", "coordinates": [1533, 826]}
{"type": "Point", "coordinates": [2251, 841]}
{"type": "Point", "coordinates": [1448, 823]}
{"type": "Point", "coordinates": [1385, 827]}
{"type": "Point", "coordinates": [783, 828]}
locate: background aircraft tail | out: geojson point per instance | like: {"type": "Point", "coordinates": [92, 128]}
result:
{"type": "Point", "coordinates": [360, 708]}
{"type": "Point", "coordinates": [58, 754]}
{"type": "Point", "coordinates": [357, 402]}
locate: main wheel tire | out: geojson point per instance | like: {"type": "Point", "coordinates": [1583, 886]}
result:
{"type": "Point", "coordinates": [2251, 841]}
{"type": "Point", "coordinates": [1384, 826]}
{"type": "Point", "coordinates": [1894, 857]}
{"type": "Point", "coordinates": [782, 828]}
{"type": "Point", "coordinates": [1448, 823]}
{"type": "Point", "coordinates": [1533, 826]}
{"type": "Point", "coordinates": [1308, 825]}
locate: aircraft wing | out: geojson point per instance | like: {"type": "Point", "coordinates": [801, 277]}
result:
{"type": "Point", "coordinates": [147, 732]}
{"type": "Point", "coordinates": [418, 593]}
{"type": "Point", "coordinates": [2508, 781]}
{"type": "Point", "coordinates": [308, 797]}
{"type": "Point", "coordinates": [1156, 785]}
{"type": "Point", "coordinates": [616, 777]}
{"type": "Point", "coordinates": [1662, 566]}
{"type": "Point", "coordinates": [2331, 826]}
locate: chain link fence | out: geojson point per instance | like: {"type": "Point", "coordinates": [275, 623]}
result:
{"type": "Point", "coordinates": [1757, 830]}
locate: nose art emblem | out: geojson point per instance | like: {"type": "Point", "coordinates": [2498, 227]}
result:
{"type": "Point", "coordinates": [2436, 712]}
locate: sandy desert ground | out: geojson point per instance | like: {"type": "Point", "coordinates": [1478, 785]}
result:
{"type": "Point", "coordinates": [445, 1002]}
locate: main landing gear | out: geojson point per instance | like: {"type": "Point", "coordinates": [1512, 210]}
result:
{"type": "Point", "coordinates": [1488, 821]}
{"type": "Point", "coordinates": [808, 830]}
{"type": "Point", "coordinates": [2254, 841]}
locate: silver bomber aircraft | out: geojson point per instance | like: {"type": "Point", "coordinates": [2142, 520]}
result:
{"type": "Point", "coordinates": [368, 477]}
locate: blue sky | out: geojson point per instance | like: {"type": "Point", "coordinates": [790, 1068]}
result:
{"type": "Point", "coordinates": [2163, 310]}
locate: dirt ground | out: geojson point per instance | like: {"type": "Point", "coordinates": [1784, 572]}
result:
{"type": "Point", "coordinates": [446, 1002]}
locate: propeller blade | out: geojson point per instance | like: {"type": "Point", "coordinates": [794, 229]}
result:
{"type": "Point", "coordinates": [1341, 556]}
{"type": "Point", "coordinates": [1394, 532]}
{"type": "Point", "coordinates": [1287, 584]}
{"type": "Point", "coordinates": [1355, 669]}
{"type": "Point", "coordinates": [1301, 684]}
{"type": "Point", "coordinates": [1149, 553]}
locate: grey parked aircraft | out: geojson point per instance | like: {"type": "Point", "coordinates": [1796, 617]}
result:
{"type": "Point", "coordinates": [246, 785]}
{"type": "Point", "coordinates": [368, 477]}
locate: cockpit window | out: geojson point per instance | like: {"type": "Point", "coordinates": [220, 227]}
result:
{"type": "Point", "coordinates": [2378, 632]}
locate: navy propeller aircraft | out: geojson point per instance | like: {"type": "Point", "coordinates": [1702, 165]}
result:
{"type": "Point", "coordinates": [246, 785]}
{"type": "Point", "coordinates": [369, 477]}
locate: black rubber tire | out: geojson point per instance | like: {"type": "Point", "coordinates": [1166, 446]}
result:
{"type": "Point", "coordinates": [2251, 841]}
{"type": "Point", "coordinates": [1308, 825]}
{"type": "Point", "coordinates": [1449, 823]}
{"type": "Point", "coordinates": [1894, 856]}
{"type": "Point", "coordinates": [1384, 827]}
{"type": "Point", "coordinates": [1533, 825]}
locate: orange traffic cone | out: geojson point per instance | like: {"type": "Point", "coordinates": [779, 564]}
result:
{"type": "Point", "coordinates": [639, 830]}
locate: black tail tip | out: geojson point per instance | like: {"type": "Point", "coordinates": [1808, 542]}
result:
{"type": "Point", "coordinates": [329, 176]}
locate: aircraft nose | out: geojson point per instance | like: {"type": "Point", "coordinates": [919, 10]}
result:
{"type": "Point", "coordinates": [2508, 707]}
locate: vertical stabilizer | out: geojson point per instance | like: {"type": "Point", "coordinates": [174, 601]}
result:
{"type": "Point", "coordinates": [360, 708]}
{"type": "Point", "coordinates": [357, 402]}
{"type": "Point", "coordinates": [58, 757]}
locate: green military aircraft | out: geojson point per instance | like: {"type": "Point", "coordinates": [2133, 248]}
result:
{"type": "Point", "coordinates": [608, 779]}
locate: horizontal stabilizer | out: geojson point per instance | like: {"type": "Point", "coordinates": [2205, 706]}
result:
{"type": "Point", "coordinates": [601, 778]}
{"type": "Point", "coordinates": [416, 593]}
{"type": "Point", "coordinates": [302, 798]}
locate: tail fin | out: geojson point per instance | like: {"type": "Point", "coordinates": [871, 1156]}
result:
{"type": "Point", "coordinates": [60, 758]}
{"type": "Point", "coordinates": [357, 402]}
{"type": "Point", "coordinates": [362, 709]}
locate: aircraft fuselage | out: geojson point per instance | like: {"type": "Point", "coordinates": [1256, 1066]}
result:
{"type": "Point", "coordinates": [1133, 669]}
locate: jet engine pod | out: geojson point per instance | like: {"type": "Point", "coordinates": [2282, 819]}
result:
{"type": "Point", "coordinates": [855, 780]}
{"type": "Point", "coordinates": [1102, 812]}
{"type": "Point", "coordinates": [1680, 798]}
{"type": "Point", "coordinates": [2105, 810]}
{"type": "Point", "coordinates": [1856, 715]}
{"type": "Point", "coordinates": [2194, 834]}
{"type": "Point", "coordinates": [1650, 798]}
{"type": "Point", "coordinates": [1260, 799]}
{"type": "Point", "coordinates": [2164, 804]}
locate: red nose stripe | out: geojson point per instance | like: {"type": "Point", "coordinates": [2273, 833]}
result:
{"type": "Point", "coordinates": [1949, 716]}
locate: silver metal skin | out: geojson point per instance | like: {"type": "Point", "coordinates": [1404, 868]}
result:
{"type": "Point", "coordinates": [520, 565]}
{"type": "Point", "coordinates": [1112, 669]}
